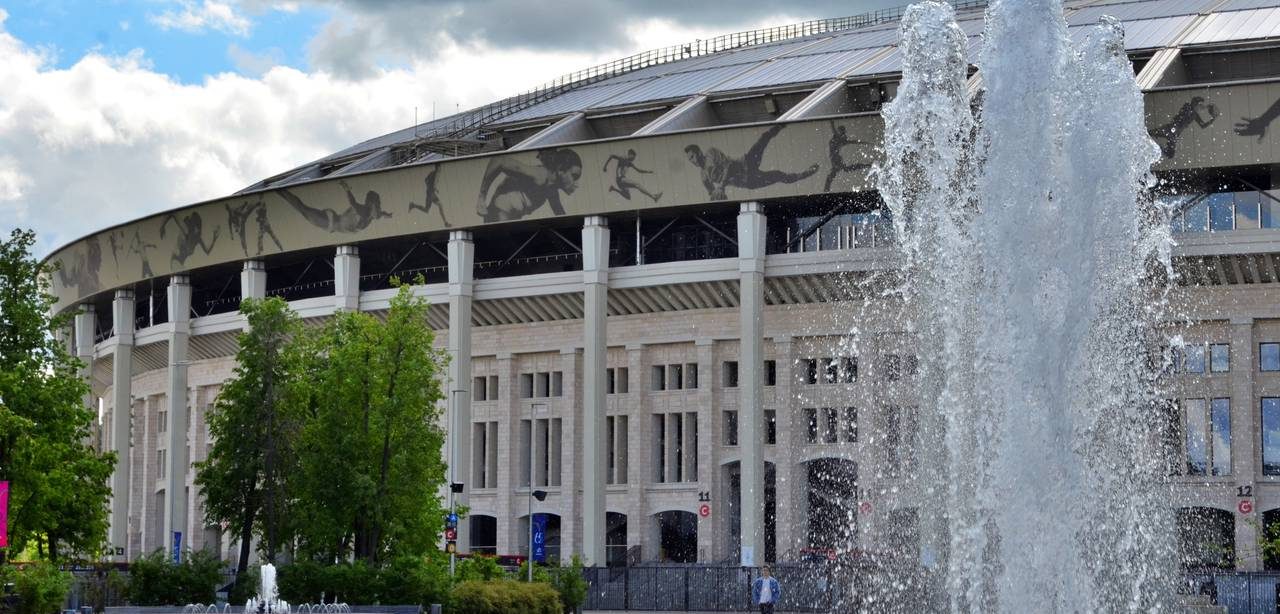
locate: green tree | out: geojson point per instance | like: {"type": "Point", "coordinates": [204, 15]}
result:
{"type": "Point", "coordinates": [370, 468]}
{"type": "Point", "coordinates": [253, 427]}
{"type": "Point", "coordinates": [58, 483]}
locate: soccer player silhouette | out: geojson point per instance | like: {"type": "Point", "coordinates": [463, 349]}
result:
{"type": "Point", "coordinates": [190, 236]}
{"type": "Point", "coordinates": [719, 170]}
{"type": "Point", "coordinates": [622, 184]}
{"type": "Point", "coordinates": [1172, 130]}
{"type": "Point", "coordinates": [432, 197]}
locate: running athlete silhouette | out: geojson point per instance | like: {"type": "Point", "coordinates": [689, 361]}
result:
{"type": "Point", "coordinates": [1171, 131]}
{"type": "Point", "coordinates": [526, 187]}
{"type": "Point", "coordinates": [840, 138]}
{"type": "Point", "coordinates": [622, 184]}
{"type": "Point", "coordinates": [1258, 125]}
{"type": "Point", "coordinates": [237, 217]}
{"type": "Point", "coordinates": [81, 271]}
{"type": "Point", "coordinates": [432, 198]}
{"type": "Point", "coordinates": [116, 238]}
{"type": "Point", "coordinates": [264, 228]}
{"type": "Point", "coordinates": [140, 247]}
{"type": "Point", "coordinates": [720, 171]}
{"type": "Point", "coordinates": [354, 218]}
{"type": "Point", "coordinates": [190, 236]}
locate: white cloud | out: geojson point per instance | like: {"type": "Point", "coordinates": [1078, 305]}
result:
{"type": "Point", "coordinates": [208, 15]}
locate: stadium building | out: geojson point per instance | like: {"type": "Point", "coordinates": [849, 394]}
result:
{"type": "Point", "coordinates": [647, 273]}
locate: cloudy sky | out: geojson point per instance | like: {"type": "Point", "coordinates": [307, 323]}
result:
{"type": "Point", "coordinates": [113, 109]}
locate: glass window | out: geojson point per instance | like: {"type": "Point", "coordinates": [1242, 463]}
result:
{"type": "Point", "coordinates": [830, 371]}
{"type": "Point", "coordinates": [730, 428]}
{"type": "Point", "coordinates": [1271, 435]}
{"type": "Point", "coordinates": [848, 369]}
{"type": "Point", "coordinates": [1170, 433]}
{"type": "Point", "coordinates": [730, 374]}
{"type": "Point", "coordinates": [1175, 223]}
{"type": "Point", "coordinates": [831, 425]}
{"type": "Point", "coordinates": [1269, 356]}
{"type": "Point", "coordinates": [1269, 209]}
{"type": "Point", "coordinates": [810, 370]}
{"type": "Point", "coordinates": [1196, 217]}
{"type": "Point", "coordinates": [526, 385]}
{"type": "Point", "coordinates": [770, 373]}
{"type": "Point", "coordinates": [624, 380]}
{"type": "Point", "coordinates": [543, 389]}
{"type": "Point", "coordinates": [1221, 213]}
{"type": "Point", "coordinates": [675, 377]}
{"type": "Point", "coordinates": [830, 236]}
{"type": "Point", "coordinates": [1193, 359]}
{"type": "Point", "coordinates": [1220, 357]}
{"type": "Point", "coordinates": [1246, 210]}
{"type": "Point", "coordinates": [1197, 430]}
{"type": "Point", "coordinates": [610, 381]}
{"type": "Point", "coordinates": [850, 425]}
{"type": "Point", "coordinates": [658, 377]}
{"type": "Point", "coordinates": [557, 383]}
{"type": "Point", "coordinates": [478, 389]}
{"type": "Point", "coordinates": [770, 427]}
{"type": "Point", "coordinates": [892, 367]}
{"type": "Point", "coordinates": [1221, 417]}
{"type": "Point", "coordinates": [691, 375]}
{"type": "Point", "coordinates": [811, 420]}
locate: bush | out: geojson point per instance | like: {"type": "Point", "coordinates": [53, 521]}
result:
{"type": "Point", "coordinates": [245, 586]}
{"type": "Point", "coordinates": [155, 580]}
{"type": "Point", "coordinates": [412, 580]}
{"type": "Point", "coordinates": [568, 581]}
{"type": "Point", "coordinates": [41, 587]}
{"type": "Point", "coordinates": [479, 568]}
{"type": "Point", "coordinates": [302, 582]}
{"type": "Point", "coordinates": [505, 597]}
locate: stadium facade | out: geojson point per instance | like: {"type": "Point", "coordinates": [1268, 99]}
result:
{"type": "Point", "coordinates": [647, 274]}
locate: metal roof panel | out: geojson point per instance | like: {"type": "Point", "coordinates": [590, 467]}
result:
{"type": "Point", "coordinates": [1236, 25]}
{"type": "Point", "coordinates": [574, 100]}
{"type": "Point", "coordinates": [801, 68]}
{"type": "Point", "coordinates": [679, 84]}
{"type": "Point", "coordinates": [1132, 11]}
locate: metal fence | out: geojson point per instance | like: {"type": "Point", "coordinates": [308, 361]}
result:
{"type": "Point", "coordinates": [723, 588]}
{"type": "Point", "coordinates": [1243, 593]}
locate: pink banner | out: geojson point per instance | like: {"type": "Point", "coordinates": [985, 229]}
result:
{"type": "Point", "coordinates": [4, 514]}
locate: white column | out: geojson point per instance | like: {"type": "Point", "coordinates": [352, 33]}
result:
{"type": "Point", "coordinates": [346, 278]}
{"type": "Point", "coordinates": [1245, 420]}
{"type": "Point", "coordinates": [751, 242]}
{"type": "Point", "coordinates": [175, 514]}
{"type": "Point", "coordinates": [461, 289]}
{"type": "Point", "coordinates": [86, 328]}
{"type": "Point", "coordinates": [122, 312]}
{"type": "Point", "coordinates": [253, 280]}
{"type": "Point", "coordinates": [595, 280]}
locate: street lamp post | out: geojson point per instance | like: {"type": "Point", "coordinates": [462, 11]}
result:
{"type": "Point", "coordinates": [533, 494]}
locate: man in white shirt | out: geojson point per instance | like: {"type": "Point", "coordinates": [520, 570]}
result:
{"type": "Point", "coordinates": [765, 591]}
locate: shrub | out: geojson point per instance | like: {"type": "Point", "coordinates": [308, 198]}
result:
{"type": "Point", "coordinates": [155, 580]}
{"type": "Point", "coordinates": [413, 580]}
{"type": "Point", "coordinates": [479, 568]}
{"type": "Point", "coordinates": [568, 581]}
{"type": "Point", "coordinates": [302, 582]}
{"type": "Point", "coordinates": [245, 586]}
{"type": "Point", "coordinates": [505, 597]}
{"type": "Point", "coordinates": [41, 587]}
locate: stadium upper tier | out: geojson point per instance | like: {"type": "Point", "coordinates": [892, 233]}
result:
{"type": "Point", "coordinates": [784, 112]}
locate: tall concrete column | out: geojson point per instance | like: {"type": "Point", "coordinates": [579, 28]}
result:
{"type": "Point", "coordinates": [86, 325]}
{"type": "Point", "coordinates": [1246, 419]}
{"type": "Point", "coordinates": [253, 280]}
{"type": "Point", "coordinates": [122, 311]}
{"type": "Point", "coordinates": [639, 473]}
{"type": "Point", "coordinates": [175, 513]}
{"type": "Point", "coordinates": [461, 253]}
{"type": "Point", "coordinates": [346, 278]}
{"type": "Point", "coordinates": [595, 284]}
{"type": "Point", "coordinates": [751, 243]}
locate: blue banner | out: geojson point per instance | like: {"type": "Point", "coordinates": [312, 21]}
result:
{"type": "Point", "coordinates": [540, 538]}
{"type": "Point", "coordinates": [177, 546]}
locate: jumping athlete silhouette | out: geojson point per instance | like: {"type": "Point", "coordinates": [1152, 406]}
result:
{"type": "Point", "coordinates": [526, 187]}
{"type": "Point", "coordinates": [140, 247]}
{"type": "Point", "coordinates": [190, 236]}
{"type": "Point", "coordinates": [622, 184]}
{"type": "Point", "coordinates": [264, 228]}
{"type": "Point", "coordinates": [720, 171]}
{"type": "Point", "coordinates": [840, 138]}
{"type": "Point", "coordinates": [432, 198]}
{"type": "Point", "coordinates": [1171, 131]}
{"type": "Point", "coordinates": [1257, 126]}
{"type": "Point", "coordinates": [354, 218]}
{"type": "Point", "coordinates": [237, 217]}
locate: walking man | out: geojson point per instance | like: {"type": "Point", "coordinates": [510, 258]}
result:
{"type": "Point", "coordinates": [765, 591]}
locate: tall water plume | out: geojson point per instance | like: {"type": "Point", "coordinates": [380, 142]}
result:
{"type": "Point", "coordinates": [1028, 242]}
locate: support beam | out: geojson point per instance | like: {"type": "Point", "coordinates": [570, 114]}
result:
{"type": "Point", "coordinates": [253, 280]}
{"type": "Point", "coordinates": [86, 325]}
{"type": "Point", "coordinates": [346, 278]}
{"type": "Point", "coordinates": [175, 513]}
{"type": "Point", "coordinates": [693, 113]}
{"type": "Point", "coordinates": [461, 292]}
{"type": "Point", "coordinates": [122, 310]}
{"type": "Point", "coordinates": [569, 129]}
{"type": "Point", "coordinates": [830, 99]}
{"type": "Point", "coordinates": [595, 280]}
{"type": "Point", "coordinates": [751, 256]}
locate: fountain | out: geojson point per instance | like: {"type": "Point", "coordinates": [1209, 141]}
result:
{"type": "Point", "coordinates": [267, 601]}
{"type": "Point", "coordinates": [1029, 243]}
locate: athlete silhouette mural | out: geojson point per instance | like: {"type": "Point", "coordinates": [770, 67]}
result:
{"type": "Point", "coordinates": [835, 150]}
{"type": "Point", "coordinates": [622, 184]}
{"type": "Point", "coordinates": [432, 197]}
{"type": "Point", "coordinates": [190, 236]}
{"type": "Point", "coordinates": [356, 217]}
{"type": "Point", "coordinates": [720, 171]}
{"type": "Point", "coordinates": [1257, 126]}
{"type": "Point", "coordinates": [238, 219]}
{"type": "Point", "coordinates": [1172, 130]}
{"type": "Point", "coordinates": [140, 247]}
{"type": "Point", "coordinates": [81, 271]}
{"type": "Point", "coordinates": [525, 188]}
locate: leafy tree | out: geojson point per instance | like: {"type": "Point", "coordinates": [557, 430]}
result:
{"type": "Point", "coordinates": [58, 484]}
{"type": "Point", "coordinates": [253, 427]}
{"type": "Point", "coordinates": [571, 585]}
{"type": "Point", "coordinates": [369, 456]}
